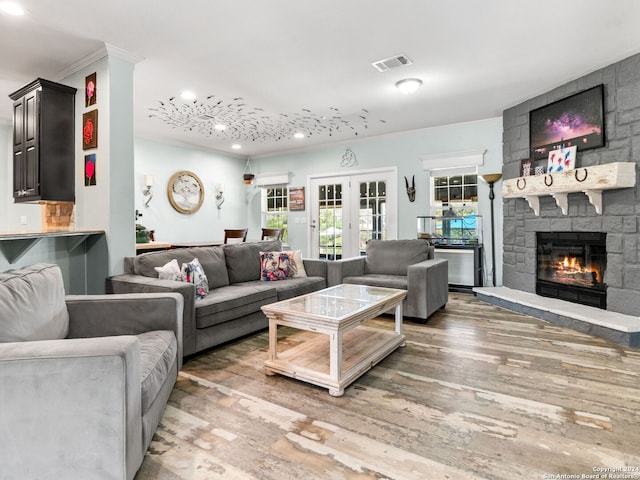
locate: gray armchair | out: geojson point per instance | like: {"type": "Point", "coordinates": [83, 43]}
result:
{"type": "Point", "coordinates": [84, 379]}
{"type": "Point", "coordinates": [405, 264]}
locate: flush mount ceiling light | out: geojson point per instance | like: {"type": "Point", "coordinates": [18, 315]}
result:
{"type": "Point", "coordinates": [220, 127]}
{"type": "Point", "coordinates": [11, 8]}
{"type": "Point", "coordinates": [298, 135]}
{"type": "Point", "coordinates": [236, 146]}
{"type": "Point", "coordinates": [409, 85]}
{"type": "Point", "coordinates": [187, 95]}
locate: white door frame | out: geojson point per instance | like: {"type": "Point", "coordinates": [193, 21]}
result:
{"type": "Point", "coordinates": [392, 193]}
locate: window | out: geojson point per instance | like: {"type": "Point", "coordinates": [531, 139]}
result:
{"type": "Point", "coordinates": [275, 211]}
{"type": "Point", "coordinates": [373, 202]}
{"type": "Point", "coordinates": [455, 206]}
{"type": "Point", "coordinates": [330, 221]}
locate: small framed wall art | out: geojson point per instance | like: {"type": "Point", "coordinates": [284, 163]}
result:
{"type": "Point", "coordinates": [89, 170]}
{"type": "Point", "coordinates": [296, 198]}
{"type": "Point", "coordinates": [90, 90]}
{"type": "Point", "coordinates": [562, 159]}
{"type": "Point", "coordinates": [90, 129]}
{"type": "Point", "coordinates": [526, 167]}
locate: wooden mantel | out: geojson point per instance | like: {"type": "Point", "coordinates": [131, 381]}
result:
{"type": "Point", "coordinates": [589, 180]}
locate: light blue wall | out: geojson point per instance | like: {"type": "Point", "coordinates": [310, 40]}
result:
{"type": "Point", "coordinates": [242, 204]}
{"type": "Point", "coordinates": [97, 207]}
{"type": "Point", "coordinates": [404, 151]}
{"type": "Point", "coordinates": [72, 262]}
{"type": "Point", "coordinates": [207, 224]}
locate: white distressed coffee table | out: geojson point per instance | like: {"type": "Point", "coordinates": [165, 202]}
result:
{"type": "Point", "coordinates": [344, 349]}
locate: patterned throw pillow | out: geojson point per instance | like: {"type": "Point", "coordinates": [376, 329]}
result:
{"type": "Point", "coordinates": [169, 271]}
{"type": "Point", "coordinates": [193, 272]}
{"type": "Point", "coordinates": [296, 258]}
{"type": "Point", "coordinates": [276, 266]}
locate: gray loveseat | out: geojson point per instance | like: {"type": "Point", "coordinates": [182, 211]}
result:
{"type": "Point", "coordinates": [236, 293]}
{"type": "Point", "coordinates": [84, 380]}
{"type": "Point", "coordinates": [405, 264]}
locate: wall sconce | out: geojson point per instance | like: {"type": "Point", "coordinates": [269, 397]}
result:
{"type": "Point", "coordinates": [219, 195]}
{"type": "Point", "coordinates": [148, 182]}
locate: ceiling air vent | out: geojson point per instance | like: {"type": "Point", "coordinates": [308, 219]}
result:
{"type": "Point", "coordinates": [392, 62]}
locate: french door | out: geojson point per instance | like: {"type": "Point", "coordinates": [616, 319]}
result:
{"type": "Point", "coordinates": [346, 211]}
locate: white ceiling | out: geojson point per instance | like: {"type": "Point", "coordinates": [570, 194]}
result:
{"type": "Point", "coordinates": [293, 59]}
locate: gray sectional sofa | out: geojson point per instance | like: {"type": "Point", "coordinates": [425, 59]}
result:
{"type": "Point", "coordinates": [405, 264]}
{"type": "Point", "coordinates": [232, 307]}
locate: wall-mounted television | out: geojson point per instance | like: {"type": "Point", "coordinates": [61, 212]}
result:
{"type": "Point", "coordinates": [575, 120]}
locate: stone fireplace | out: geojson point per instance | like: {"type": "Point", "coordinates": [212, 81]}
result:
{"type": "Point", "coordinates": [619, 213]}
{"type": "Point", "coordinates": [571, 266]}
{"type": "Point", "coordinates": [605, 213]}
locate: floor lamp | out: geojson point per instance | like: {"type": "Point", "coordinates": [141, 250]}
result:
{"type": "Point", "coordinates": [490, 179]}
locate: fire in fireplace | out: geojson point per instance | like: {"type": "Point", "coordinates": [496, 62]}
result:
{"type": "Point", "coordinates": [571, 266]}
{"type": "Point", "coordinates": [570, 272]}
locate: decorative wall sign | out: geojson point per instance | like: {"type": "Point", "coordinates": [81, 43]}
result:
{"type": "Point", "coordinates": [89, 170]}
{"type": "Point", "coordinates": [348, 158]}
{"type": "Point", "coordinates": [562, 159]}
{"type": "Point", "coordinates": [296, 198]}
{"type": "Point", "coordinates": [90, 129]}
{"type": "Point", "coordinates": [90, 90]}
{"type": "Point", "coordinates": [577, 120]}
{"type": "Point", "coordinates": [185, 192]}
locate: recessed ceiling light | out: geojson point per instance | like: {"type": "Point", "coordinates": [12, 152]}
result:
{"type": "Point", "coordinates": [187, 95]}
{"type": "Point", "coordinates": [409, 85]}
{"type": "Point", "coordinates": [220, 127]}
{"type": "Point", "coordinates": [298, 135]}
{"type": "Point", "coordinates": [11, 8]}
{"type": "Point", "coordinates": [236, 146]}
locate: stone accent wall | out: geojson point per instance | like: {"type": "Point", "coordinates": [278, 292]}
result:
{"type": "Point", "coordinates": [621, 208]}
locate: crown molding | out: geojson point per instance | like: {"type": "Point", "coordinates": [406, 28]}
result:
{"type": "Point", "coordinates": [453, 159]}
{"type": "Point", "coordinates": [104, 50]}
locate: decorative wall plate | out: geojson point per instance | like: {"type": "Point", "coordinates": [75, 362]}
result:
{"type": "Point", "coordinates": [185, 192]}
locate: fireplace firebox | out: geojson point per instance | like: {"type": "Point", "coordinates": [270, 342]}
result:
{"type": "Point", "coordinates": [571, 266]}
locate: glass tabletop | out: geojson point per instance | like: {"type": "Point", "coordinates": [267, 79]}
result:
{"type": "Point", "coordinates": [336, 302]}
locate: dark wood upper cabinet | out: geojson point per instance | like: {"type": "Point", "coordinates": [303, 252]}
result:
{"type": "Point", "coordinates": [43, 146]}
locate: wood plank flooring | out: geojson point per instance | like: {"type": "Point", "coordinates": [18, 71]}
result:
{"type": "Point", "coordinates": [478, 393]}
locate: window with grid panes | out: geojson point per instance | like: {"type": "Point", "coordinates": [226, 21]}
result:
{"type": "Point", "coordinates": [276, 209]}
{"type": "Point", "coordinates": [330, 221]}
{"type": "Point", "coordinates": [372, 217]}
{"type": "Point", "coordinates": [455, 203]}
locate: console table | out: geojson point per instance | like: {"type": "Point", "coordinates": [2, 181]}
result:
{"type": "Point", "coordinates": [465, 266]}
{"type": "Point", "coordinates": [151, 247]}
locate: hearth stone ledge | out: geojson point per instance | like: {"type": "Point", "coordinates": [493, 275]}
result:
{"type": "Point", "coordinates": [615, 327]}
